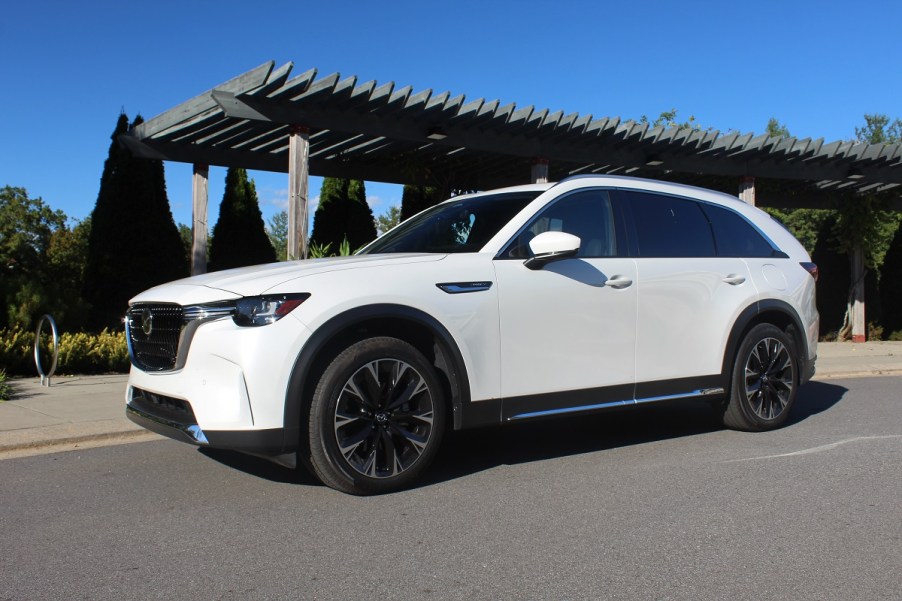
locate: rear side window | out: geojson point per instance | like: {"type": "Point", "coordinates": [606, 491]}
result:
{"type": "Point", "coordinates": [667, 226]}
{"type": "Point", "coordinates": [735, 237]}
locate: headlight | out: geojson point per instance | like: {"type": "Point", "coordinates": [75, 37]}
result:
{"type": "Point", "coordinates": [264, 310]}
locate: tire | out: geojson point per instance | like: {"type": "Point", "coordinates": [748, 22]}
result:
{"type": "Point", "coordinates": [376, 418]}
{"type": "Point", "coordinates": [765, 380]}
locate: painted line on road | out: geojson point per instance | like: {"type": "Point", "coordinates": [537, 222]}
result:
{"type": "Point", "coordinates": [820, 449]}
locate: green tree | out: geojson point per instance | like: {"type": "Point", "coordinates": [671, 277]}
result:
{"type": "Point", "coordinates": [239, 236]}
{"type": "Point", "coordinates": [389, 219]}
{"type": "Point", "coordinates": [865, 225]}
{"type": "Point", "coordinates": [775, 129]}
{"type": "Point", "coordinates": [891, 288]}
{"type": "Point", "coordinates": [134, 243]}
{"type": "Point", "coordinates": [343, 213]}
{"type": "Point", "coordinates": [42, 261]}
{"type": "Point", "coordinates": [277, 230]}
{"type": "Point", "coordinates": [879, 129]}
{"type": "Point", "coordinates": [669, 119]}
{"type": "Point", "coordinates": [417, 198]}
{"type": "Point", "coordinates": [27, 226]}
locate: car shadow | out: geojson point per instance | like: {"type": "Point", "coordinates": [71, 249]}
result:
{"type": "Point", "coordinates": [469, 452]}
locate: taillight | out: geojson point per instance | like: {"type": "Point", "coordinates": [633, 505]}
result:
{"type": "Point", "coordinates": [810, 268]}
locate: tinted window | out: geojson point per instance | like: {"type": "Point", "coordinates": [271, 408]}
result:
{"type": "Point", "coordinates": [453, 227]}
{"type": "Point", "coordinates": [667, 226]}
{"type": "Point", "coordinates": [734, 235]}
{"type": "Point", "coordinates": [587, 215]}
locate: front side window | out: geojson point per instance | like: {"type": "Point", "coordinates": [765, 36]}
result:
{"type": "Point", "coordinates": [588, 215]}
{"type": "Point", "coordinates": [667, 226]}
{"type": "Point", "coordinates": [453, 227]}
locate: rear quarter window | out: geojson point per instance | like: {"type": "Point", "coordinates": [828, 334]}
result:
{"type": "Point", "coordinates": [734, 236]}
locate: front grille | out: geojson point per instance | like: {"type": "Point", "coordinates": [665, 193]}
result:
{"type": "Point", "coordinates": [153, 335]}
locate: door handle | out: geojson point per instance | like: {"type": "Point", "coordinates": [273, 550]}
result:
{"type": "Point", "coordinates": [734, 279]}
{"type": "Point", "coordinates": [618, 281]}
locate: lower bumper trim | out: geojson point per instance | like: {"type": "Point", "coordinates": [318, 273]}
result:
{"type": "Point", "coordinates": [269, 442]}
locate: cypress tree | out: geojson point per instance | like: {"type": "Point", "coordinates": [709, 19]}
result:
{"type": "Point", "coordinates": [134, 243]}
{"type": "Point", "coordinates": [343, 213]}
{"type": "Point", "coordinates": [239, 236]}
{"type": "Point", "coordinates": [417, 198]}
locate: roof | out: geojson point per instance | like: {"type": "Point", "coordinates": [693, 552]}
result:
{"type": "Point", "coordinates": [388, 133]}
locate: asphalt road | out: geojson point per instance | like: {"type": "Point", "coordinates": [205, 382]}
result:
{"type": "Point", "coordinates": [658, 503]}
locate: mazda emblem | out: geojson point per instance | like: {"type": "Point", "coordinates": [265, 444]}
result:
{"type": "Point", "coordinates": [146, 322]}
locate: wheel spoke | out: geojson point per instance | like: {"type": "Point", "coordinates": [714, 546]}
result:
{"type": "Point", "coordinates": [384, 418]}
{"type": "Point", "coordinates": [769, 378]}
{"type": "Point", "coordinates": [349, 445]}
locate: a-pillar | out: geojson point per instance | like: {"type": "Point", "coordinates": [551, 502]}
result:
{"type": "Point", "coordinates": [747, 189]}
{"type": "Point", "coordinates": [540, 171]}
{"type": "Point", "coordinates": [199, 199]}
{"type": "Point", "coordinates": [298, 177]}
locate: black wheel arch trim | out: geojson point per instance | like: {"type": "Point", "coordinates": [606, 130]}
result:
{"type": "Point", "coordinates": [451, 361]}
{"type": "Point", "coordinates": [743, 324]}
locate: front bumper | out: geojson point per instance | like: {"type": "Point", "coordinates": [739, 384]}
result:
{"type": "Point", "coordinates": [174, 418]}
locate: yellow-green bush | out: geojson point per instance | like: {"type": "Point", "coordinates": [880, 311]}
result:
{"type": "Point", "coordinates": [80, 353]}
{"type": "Point", "coordinates": [5, 392]}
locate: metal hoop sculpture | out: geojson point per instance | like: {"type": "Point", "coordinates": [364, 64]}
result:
{"type": "Point", "coordinates": [45, 378]}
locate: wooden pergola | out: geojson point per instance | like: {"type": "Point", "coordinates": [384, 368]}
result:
{"type": "Point", "coordinates": [342, 127]}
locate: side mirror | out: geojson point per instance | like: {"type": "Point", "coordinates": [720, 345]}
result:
{"type": "Point", "coordinates": [551, 246]}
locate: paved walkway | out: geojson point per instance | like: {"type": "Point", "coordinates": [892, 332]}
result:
{"type": "Point", "coordinates": [85, 411]}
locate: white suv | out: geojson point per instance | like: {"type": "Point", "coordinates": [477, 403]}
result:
{"type": "Point", "coordinates": [507, 305]}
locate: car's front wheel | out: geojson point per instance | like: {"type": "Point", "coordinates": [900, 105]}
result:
{"type": "Point", "coordinates": [376, 418]}
{"type": "Point", "coordinates": [765, 380]}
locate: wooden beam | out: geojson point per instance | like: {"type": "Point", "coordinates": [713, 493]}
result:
{"type": "Point", "coordinates": [747, 189]}
{"type": "Point", "coordinates": [539, 173]}
{"type": "Point", "coordinates": [199, 200]}
{"type": "Point", "coordinates": [298, 178]}
{"type": "Point", "coordinates": [243, 83]}
{"type": "Point", "coordinates": [859, 325]}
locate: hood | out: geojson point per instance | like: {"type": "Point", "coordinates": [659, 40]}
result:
{"type": "Point", "coordinates": [258, 279]}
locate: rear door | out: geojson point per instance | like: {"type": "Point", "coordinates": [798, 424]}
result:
{"type": "Point", "coordinates": [688, 296]}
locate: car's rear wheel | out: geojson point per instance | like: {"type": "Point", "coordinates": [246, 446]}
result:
{"type": "Point", "coordinates": [376, 418]}
{"type": "Point", "coordinates": [765, 380]}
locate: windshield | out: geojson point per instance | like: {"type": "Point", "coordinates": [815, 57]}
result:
{"type": "Point", "coordinates": [453, 227]}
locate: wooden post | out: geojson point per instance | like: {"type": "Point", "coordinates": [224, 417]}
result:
{"type": "Point", "coordinates": [859, 325]}
{"type": "Point", "coordinates": [298, 176]}
{"type": "Point", "coordinates": [747, 189]}
{"type": "Point", "coordinates": [539, 170]}
{"type": "Point", "coordinates": [199, 199]}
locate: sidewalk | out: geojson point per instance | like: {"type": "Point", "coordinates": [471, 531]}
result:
{"type": "Point", "coordinates": [87, 411]}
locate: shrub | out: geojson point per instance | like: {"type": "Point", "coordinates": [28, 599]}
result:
{"type": "Point", "coordinates": [78, 353]}
{"type": "Point", "coordinates": [5, 392]}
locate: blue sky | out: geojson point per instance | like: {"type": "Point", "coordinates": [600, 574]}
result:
{"type": "Point", "coordinates": [68, 68]}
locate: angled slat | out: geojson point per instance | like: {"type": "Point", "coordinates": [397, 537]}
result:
{"type": "Point", "coordinates": [276, 80]}
{"type": "Point", "coordinates": [343, 89]}
{"type": "Point", "coordinates": [416, 102]}
{"type": "Point", "coordinates": [520, 116]}
{"type": "Point", "coordinates": [319, 89]}
{"type": "Point", "coordinates": [381, 94]}
{"type": "Point", "coordinates": [437, 101]}
{"type": "Point", "coordinates": [362, 92]}
{"type": "Point", "coordinates": [294, 86]}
